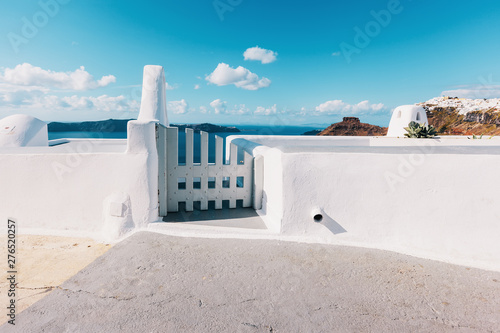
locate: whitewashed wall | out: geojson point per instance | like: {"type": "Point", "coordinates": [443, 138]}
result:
{"type": "Point", "coordinates": [434, 199]}
{"type": "Point", "coordinates": [90, 187]}
{"type": "Point", "coordinates": [62, 188]}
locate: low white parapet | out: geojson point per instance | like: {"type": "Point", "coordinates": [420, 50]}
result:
{"type": "Point", "coordinates": [432, 198]}
{"type": "Point", "coordinates": [71, 187]}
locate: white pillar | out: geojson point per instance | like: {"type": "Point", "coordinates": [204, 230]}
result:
{"type": "Point", "coordinates": [154, 99]}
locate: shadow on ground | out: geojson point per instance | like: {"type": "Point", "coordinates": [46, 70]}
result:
{"type": "Point", "coordinates": [234, 218]}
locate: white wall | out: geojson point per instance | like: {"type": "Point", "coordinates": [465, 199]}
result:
{"type": "Point", "coordinates": [273, 197]}
{"type": "Point", "coordinates": [272, 186]}
{"type": "Point", "coordinates": [309, 143]}
{"type": "Point", "coordinates": [75, 186]}
{"type": "Point", "coordinates": [430, 198]}
{"type": "Point", "coordinates": [444, 209]}
{"type": "Point", "coordinates": [436, 201]}
{"type": "Point", "coordinates": [64, 188]}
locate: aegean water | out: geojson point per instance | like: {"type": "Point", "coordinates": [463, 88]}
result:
{"type": "Point", "coordinates": [244, 130]}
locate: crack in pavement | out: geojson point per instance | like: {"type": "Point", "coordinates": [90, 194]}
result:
{"type": "Point", "coordinates": [47, 288]}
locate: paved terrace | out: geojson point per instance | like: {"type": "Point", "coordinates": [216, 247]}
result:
{"type": "Point", "coordinates": [157, 283]}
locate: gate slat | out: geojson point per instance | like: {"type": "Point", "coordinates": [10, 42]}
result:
{"type": "Point", "coordinates": [218, 174]}
{"type": "Point", "coordinates": [234, 156]}
{"type": "Point", "coordinates": [189, 147]}
{"type": "Point", "coordinates": [218, 150]}
{"type": "Point", "coordinates": [204, 149]}
{"type": "Point", "coordinates": [233, 160]}
{"type": "Point", "coordinates": [172, 168]}
{"type": "Point", "coordinates": [204, 170]}
{"type": "Point", "coordinates": [176, 173]}
{"type": "Point", "coordinates": [161, 143]}
{"type": "Point", "coordinates": [218, 190]}
{"type": "Point", "coordinates": [189, 169]}
{"type": "Point", "coordinates": [246, 171]}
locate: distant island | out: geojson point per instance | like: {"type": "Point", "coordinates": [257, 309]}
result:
{"type": "Point", "coordinates": [120, 125]}
{"type": "Point", "coordinates": [206, 127]}
{"type": "Point", "coordinates": [350, 126]}
{"type": "Point", "coordinates": [312, 132]}
{"type": "Point", "coordinates": [110, 125]}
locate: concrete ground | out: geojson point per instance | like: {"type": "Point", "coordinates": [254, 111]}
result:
{"type": "Point", "coordinates": [157, 283]}
{"type": "Point", "coordinates": [45, 262]}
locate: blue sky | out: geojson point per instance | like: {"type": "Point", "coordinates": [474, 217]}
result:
{"type": "Point", "coordinates": [316, 61]}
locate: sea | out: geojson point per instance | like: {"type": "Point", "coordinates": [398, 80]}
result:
{"type": "Point", "coordinates": [244, 130]}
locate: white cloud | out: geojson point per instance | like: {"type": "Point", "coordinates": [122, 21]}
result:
{"type": "Point", "coordinates": [203, 109]}
{"type": "Point", "coordinates": [340, 107]}
{"type": "Point", "coordinates": [77, 102]}
{"type": "Point", "coordinates": [240, 110]}
{"type": "Point", "coordinates": [259, 54]}
{"type": "Point", "coordinates": [29, 75]}
{"type": "Point", "coordinates": [178, 107]}
{"type": "Point", "coordinates": [40, 100]}
{"type": "Point", "coordinates": [488, 88]}
{"type": "Point", "coordinates": [219, 106]}
{"type": "Point", "coordinates": [336, 54]}
{"type": "Point", "coordinates": [475, 92]}
{"type": "Point", "coordinates": [241, 77]}
{"type": "Point", "coordinates": [20, 97]}
{"type": "Point", "coordinates": [196, 87]}
{"type": "Point", "coordinates": [30, 88]}
{"type": "Point", "coordinates": [170, 87]}
{"type": "Point", "coordinates": [100, 103]}
{"type": "Point", "coordinates": [260, 110]}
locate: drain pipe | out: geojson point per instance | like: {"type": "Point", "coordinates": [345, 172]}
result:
{"type": "Point", "coordinates": [317, 214]}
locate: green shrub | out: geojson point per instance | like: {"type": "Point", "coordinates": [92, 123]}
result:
{"type": "Point", "coordinates": [416, 130]}
{"type": "Point", "coordinates": [475, 137]}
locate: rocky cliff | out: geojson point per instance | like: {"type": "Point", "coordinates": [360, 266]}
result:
{"type": "Point", "coordinates": [352, 126]}
{"type": "Point", "coordinates": [459, 116]}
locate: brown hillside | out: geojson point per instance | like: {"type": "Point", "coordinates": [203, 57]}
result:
{"type": "Point", "coordinates": [351, 126]}
{"type": "Point", "coordinates": [448, 121]}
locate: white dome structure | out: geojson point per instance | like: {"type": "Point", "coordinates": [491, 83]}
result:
{"type": "Point", "coordinates": [21, 130]}
{"type": "Point", "coordinates": [402, 116]}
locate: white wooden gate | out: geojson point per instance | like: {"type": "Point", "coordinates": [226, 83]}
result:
{"type": "Point", "coordinates": [202, 182]}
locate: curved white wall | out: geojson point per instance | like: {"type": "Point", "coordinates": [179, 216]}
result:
{"type": "Point", "coordinates": [21, 130]}
{"type": "Point", "coordinates": [402, 116]}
